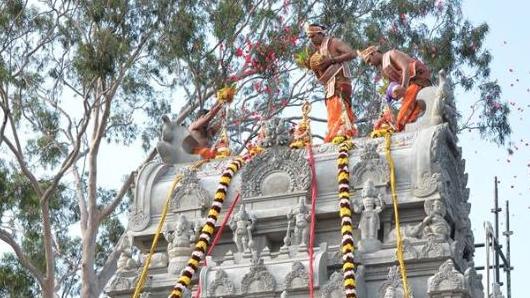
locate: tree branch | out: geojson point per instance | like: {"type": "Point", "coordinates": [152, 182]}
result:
{"type": "Point", "coordinates": [22, 258]}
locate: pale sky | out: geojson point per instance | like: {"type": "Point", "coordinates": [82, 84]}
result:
{"type": "Point", "coordinates": [509, 43]}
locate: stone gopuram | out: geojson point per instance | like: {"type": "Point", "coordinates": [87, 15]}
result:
{"type": "Point", "coordinates": [263, 251]}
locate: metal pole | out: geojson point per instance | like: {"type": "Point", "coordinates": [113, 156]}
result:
{"type": "Point", "coordinates": [487, 261]}
{"type": "Point", "coordinates": [508, 267]}
{"type": "Point", "coordinates": [495, 248]}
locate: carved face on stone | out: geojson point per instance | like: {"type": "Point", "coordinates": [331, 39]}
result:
{"type": "Point", "coordinates": [369, 189]}
{"type": "Point", "coordinates": [182, 225]}
{"type": "Point", "coordinates": [438, 208]}
{"type": "Point", "coordinates": [390, 292]}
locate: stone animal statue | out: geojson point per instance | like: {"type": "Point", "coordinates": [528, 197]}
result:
{"type": "Point", "coordinates": [170, 145]}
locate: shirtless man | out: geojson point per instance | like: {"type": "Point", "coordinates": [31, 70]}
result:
{"type": "Point", "coordinates": [329, 63]}
{"type": "Point", "coordinates": [201, 133]}
{"type": "Point", "coordinates": [411, 75]}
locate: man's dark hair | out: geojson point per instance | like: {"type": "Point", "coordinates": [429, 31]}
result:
{"type": "Point", "coordinates": [318, 25]}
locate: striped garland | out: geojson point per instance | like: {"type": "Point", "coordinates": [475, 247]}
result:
{"type": "Point", "coordinates": [348, 267]}
{"type": "Point", "coordinates": [207, 230]}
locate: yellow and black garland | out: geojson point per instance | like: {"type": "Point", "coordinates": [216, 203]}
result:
{"type": "Point", "coordinates": [207, 230]}
{"type": "Point", "coordinates": [348, 266]}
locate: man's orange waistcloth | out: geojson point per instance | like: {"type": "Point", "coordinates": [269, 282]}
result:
{"type": "Point", "coordinates": [410, 109]}
{"type": "Point", "coordinates": [205, 153]}
{"type": "Point", "coordinates": [334, 106]}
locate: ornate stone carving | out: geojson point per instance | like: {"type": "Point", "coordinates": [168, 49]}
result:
{"type": "Point", "coordinates": [221, 285]}
{"type": "Point", "coordinates": [446, 279]}
{"type": "Point", "coordinates": [242, 224]}
{"type": "Point", "coordinates": [276, 171]}
{"type": "Point", "coordinates": [125, 262]}
{"type": "Point", "coordinates": [426, 185]}
{"type": "Point", "coordinates": [446, 107]}
{"type": "Point", "coordinates": [327, 148]}
{"type": "Point", "coordinates": [474, 281]}
{"type": "Point", "coordinates": [297, 278]}
{"type": "Point", "coordinates": [275, 131]}
{"type": "Point", "coordinates": [370, 205]}
{"type": "Point", "coordinates": [432, 248]}
{"type": "Point", "coordinates": [333, 289]}
{"type": "Point", "coordinates": [138, 219]}
{"type": "Point", "coordinates": [371, 167]}
{"type": "Point", "coordinates": [189, 194]}
{"type": "Point", "coordinates": [392, 286]}
{"type": "Point", "coordinates": [120, 283]}
{"type": "Point", "coordinates": [257, 280]}
{"type": "Point", "coordinates": [140, 211]}
{"type": "Point", "coordinates": [369, 152]}
{"type": "Point", "coordinates": [302, 217]}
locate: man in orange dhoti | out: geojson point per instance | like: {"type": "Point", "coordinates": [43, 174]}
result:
{"type": "Point", "coordinates": [411, 74]}
{"type": "Point", "coordinates": [329, 63]}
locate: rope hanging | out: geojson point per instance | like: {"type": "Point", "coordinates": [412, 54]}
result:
{"type": "Point", "coordinates": [345, 211]}
{"type": "Point", "coordinates": [314, 192]}
{"type": "Point", "coordinates": [141, 280]}
{"type": "Point", "coordinates": [306, 108]}
{"type": "Point", "coordinates": [218, 235]}
{"type": "Point", "coordinates": [399, 240]}
{"type": "Point", "coordinates": [202, 244]}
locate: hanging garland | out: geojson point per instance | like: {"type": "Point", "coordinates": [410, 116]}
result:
{"type": "Point", "coordinates": [207, 230]}
{"type": "Point", "coordinates": [347, 245]}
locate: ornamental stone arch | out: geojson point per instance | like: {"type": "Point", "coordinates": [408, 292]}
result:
{"type": "Point", "coordinates": [279, 170]}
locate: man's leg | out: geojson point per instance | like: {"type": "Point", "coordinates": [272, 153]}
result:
{"type": "Point", "coordinates": [334, 107]}
{"type": "Point", "coordinates": [409, 110]}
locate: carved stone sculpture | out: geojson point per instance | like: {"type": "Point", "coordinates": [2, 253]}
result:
{"type": "Point", "coordinates": [180, 243]}
{"type": "Point", "coordinates": [333, 289]}
{"type": "Point", "coordinates": [242, 225]}
{"type": "Point", "coordinates": [302, 217]}
{"type": "Point", "coordinates": [126, 263]}
{"type": "Point", "coordinates": [275, 131]}
{"type": "Point", "coordinates": [434, 225]}
{"type": "Point", "coordinates": [170, 145]}
{"type": "Point", "coordinates": [370, 205]}
{"type": "Point", "coordinates": [447, 279]}
{"type": "Point", "coordinates": [257, 280]}
{"type": "Point", "coordinates": [474, 281]}
{"type": "Point", "coordinates": [297, 278]}
{"type": "Point", "coordinates": [221, 285]}
{"type": "Point", "coordinates": [392, 286]}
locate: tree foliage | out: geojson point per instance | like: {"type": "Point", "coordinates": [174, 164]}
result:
{"type": "Point", "coordinates": [74, 74]}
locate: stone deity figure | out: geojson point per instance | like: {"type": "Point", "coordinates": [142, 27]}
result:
{"type": "Point", "coordinates": [434, 224]}
{"type": "Point", "coordinates": [126, 262]}
{"type": "Point", "coordinates": [302, 217]}
{"type": "Point", "coordinates": [329, 62]}
{"type": "Point", "coordinates": [370, 205]}
{"type": "Point", "coordinates": [181, 239]}
{"type": "Point", "coordinates": [242, 224]}
{"type": "Point", "coordinates": [390, 292]}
